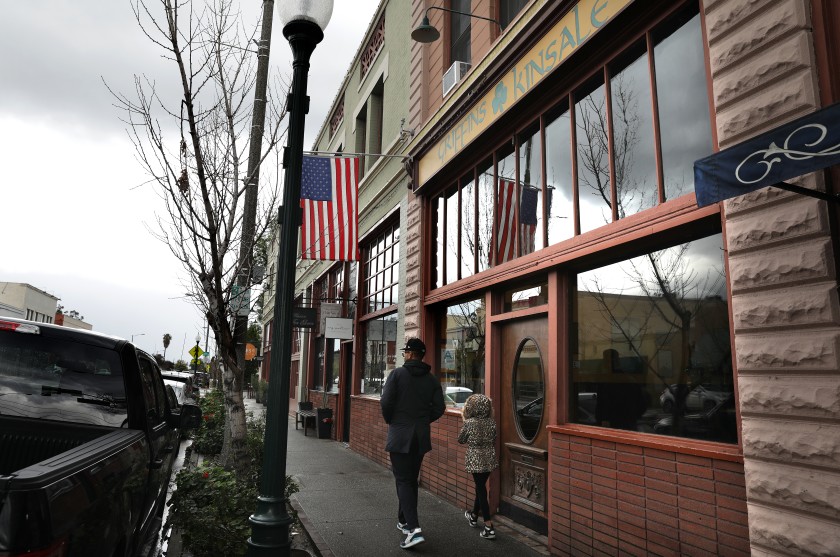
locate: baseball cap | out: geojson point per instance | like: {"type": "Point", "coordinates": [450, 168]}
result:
{"type": "Point", "coordinates": [415, 345]}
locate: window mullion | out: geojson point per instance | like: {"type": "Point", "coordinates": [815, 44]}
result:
{"type": "Point", "coordinates": [654, 101]}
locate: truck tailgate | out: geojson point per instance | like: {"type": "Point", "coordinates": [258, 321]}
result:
{"type": "Point", "coordinates": [48, 471]}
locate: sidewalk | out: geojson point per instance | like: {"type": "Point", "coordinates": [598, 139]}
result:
{"type": "Point", "coordinates": [348, 505]}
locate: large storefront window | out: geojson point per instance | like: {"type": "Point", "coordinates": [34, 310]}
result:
{"type": "Point", "coordinates": [622, 142]}
{"type": "Point", "coordinates": [461, 345]}
{"type": "Point", "coordinates": [380, 356]}
{"type": "Point", "coordinates": [382, 270]}
{"type": "Point", "coordinates": [651, 345]}
{"type": "Point", "coordinates": [378, 324]}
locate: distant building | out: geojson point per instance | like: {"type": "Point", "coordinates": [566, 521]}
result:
{"type": "Point", "coordinates": [18, 299]}
{"type": "Point", "coordinates": [72, 320]}
{"type": "Point", "coordinates": [7, 310]}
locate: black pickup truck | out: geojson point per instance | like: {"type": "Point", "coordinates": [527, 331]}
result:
{"type": "Point", "coordinates": [88, 437]}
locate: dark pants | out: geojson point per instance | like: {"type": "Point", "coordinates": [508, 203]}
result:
{"type": "Point", "coordinates": [481, 503]}
{"type": "Point", "coordinates": [406, 469]}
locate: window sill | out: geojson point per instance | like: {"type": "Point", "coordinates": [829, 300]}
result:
{"type": "Point", "coordinates": [707, 449]}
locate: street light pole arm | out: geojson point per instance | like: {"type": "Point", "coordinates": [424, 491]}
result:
{"type": "Point", "coordinates": [463, 13]}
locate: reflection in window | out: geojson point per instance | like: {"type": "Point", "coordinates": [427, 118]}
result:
{"type": "Point", "coordinates": [633, 144]}
{"type": "Point", "coordinates": [528, 390]}
{"type": "Point", "coordinates": [452, 235]}
{"type": "Point", "coordinates": [485, 215]}
{"type": "Point", "coordinates": [530, 192]}
{"type": "Point", "coordinates": [558, 165]}
{"type": "Point", "coordinates": [593, 158]}
{"type": "Point", "coordinates": [522, 298]}
{"type": "Point", "coordinates": [683, 103]}
{"type": "Point", "coordinates": [380, 357]}
{"type": "Point", "coordinates": [468, 239]}
{"type": "Point", "coordinates": [651, 345]}
{"type": "Point", "coordinates": [461, 345]}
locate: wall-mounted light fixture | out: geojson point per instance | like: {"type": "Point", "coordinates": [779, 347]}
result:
{"type": "Point", "coordinates": [428, 33]}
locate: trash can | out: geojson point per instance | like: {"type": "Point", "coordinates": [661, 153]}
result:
{"type": "Point", "coordinates": [324, 417]}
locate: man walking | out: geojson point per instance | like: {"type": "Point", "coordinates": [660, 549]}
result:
{"type": "Point", "coordinates": [411, 400]}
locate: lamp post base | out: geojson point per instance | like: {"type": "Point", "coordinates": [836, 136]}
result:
{"type": "Point", "coordinates": [270, 528]}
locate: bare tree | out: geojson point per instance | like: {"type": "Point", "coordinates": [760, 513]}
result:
{"type": "Point", "coordinates": [195, 149]}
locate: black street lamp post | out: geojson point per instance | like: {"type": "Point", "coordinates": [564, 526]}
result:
{"type": "Point", "coordinates": [303, 26]}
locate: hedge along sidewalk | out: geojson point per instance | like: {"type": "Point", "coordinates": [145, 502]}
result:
{"type": "Point", "coordinates": [200, 468]}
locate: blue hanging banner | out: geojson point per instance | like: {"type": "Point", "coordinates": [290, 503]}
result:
{"type": "Point", "coordinates": [808, 144]}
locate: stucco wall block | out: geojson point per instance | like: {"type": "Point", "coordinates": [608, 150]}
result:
{"type": "Point", "coordinates": [798, 534]}
{"type": "Point", "coordinates": [740, 29]}
{"type": "Point", "coordinates": [412, 261]}
{"type": "Point", "coordinates": [779, 103]}
{"type": "Point", "coordinates": [808, 261]}
{"type": "Point", "coordinates": [756, 200]}
{"type": "Point", "coordinates": [789, 307]}
{"type": "Point", "coordinates": [809, 491]}
{"type": "Point", "coordinates": [412, 292]}
{"type": "Point", "coordinates": [803, 216]}
{"type": "Point", "coordinates": [817, 350]}
{"type": "Point", "coordinates": [806, 396]}
{"type": "Point", "coordinates": [792, 55]}
{"type": "Point", "coordinates": [792, 442]}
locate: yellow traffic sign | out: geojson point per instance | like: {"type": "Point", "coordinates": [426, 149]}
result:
{"type": "Point", "coordinates": [195, 351]}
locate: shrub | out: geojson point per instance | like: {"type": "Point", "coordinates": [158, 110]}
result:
{"type": "Point", "coordinates": [210, 505]}
{"type": "Point", "coordinates": [207, 440]}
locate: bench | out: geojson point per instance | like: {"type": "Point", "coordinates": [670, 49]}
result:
{"type": "Point", "coordinates": [305, 416]}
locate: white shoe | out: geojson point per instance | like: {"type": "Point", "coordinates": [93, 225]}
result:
{"type": "Point", "coordinates": [413, 538]}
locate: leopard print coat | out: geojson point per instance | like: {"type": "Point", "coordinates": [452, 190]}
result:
{"type": "Point", "coordinates": [479, 434]}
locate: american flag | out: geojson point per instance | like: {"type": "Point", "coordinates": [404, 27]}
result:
{"type": "Point", "coordinates": [328, 196]}
{"type": "Point", "coordinates": [506, 221]}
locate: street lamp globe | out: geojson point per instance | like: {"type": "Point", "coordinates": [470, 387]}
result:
{"type": "Point", "coordinates": [314, 11]}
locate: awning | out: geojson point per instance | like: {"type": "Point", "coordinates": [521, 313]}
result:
{"type": "Point", "coordinates": [805, 145]}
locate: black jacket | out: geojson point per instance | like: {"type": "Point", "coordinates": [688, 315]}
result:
{"type": "Point", "coordinates": [411, 400]}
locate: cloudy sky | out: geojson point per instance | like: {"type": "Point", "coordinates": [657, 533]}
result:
{"type": "Point", "coordinates": [73, 205]}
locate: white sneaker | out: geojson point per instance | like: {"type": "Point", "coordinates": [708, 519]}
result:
{"type": "Point", "coordinates": [403, 527]}
{"type": "Point", "coordinates": [413, 538]}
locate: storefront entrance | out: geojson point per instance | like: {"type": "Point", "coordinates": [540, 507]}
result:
{"type": "Point", "coordinates": [524, 441]}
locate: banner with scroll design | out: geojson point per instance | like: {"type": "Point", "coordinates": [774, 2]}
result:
{"type": "Point", "coordinates": [805, 145]}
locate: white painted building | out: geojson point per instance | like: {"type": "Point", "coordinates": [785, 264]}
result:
{"type": "Point", "coordinates": [27, 302]}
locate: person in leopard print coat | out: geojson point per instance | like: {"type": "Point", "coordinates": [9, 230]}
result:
{"type": "Point", "coordinates": [479, 434]}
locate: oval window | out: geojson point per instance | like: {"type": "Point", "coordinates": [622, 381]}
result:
{"type": "Point", "coordinates": [528, 389]}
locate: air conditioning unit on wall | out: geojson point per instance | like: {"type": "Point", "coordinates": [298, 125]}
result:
{"type": "Point", "coordinates": [453, 75]}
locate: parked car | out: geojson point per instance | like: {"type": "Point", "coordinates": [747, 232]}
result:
{"type": "Point", "coordinates": [88, 437]}
{"type": "Point", "coordinates": [716, 423]}
{"type": "Point", "coordinates": [178, 391]}
{"type": "Point", "coordinates": [699, 397]}
{"type": "Point", "coordinates": [183, 377]}
{"type": "Point", "coordinates": [458, 394]}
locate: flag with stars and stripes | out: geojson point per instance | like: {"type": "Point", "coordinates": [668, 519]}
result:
{"type": "Point", "coordinates": [505, 222]}
{"type": "Point", "coordinates": [328, 197]}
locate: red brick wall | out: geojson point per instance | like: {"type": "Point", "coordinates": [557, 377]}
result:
{"type": "Point", "coordinates": [608, 498]}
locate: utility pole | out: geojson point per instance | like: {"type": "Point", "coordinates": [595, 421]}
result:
{"type": "Point", "coordinates": [246, 248]}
